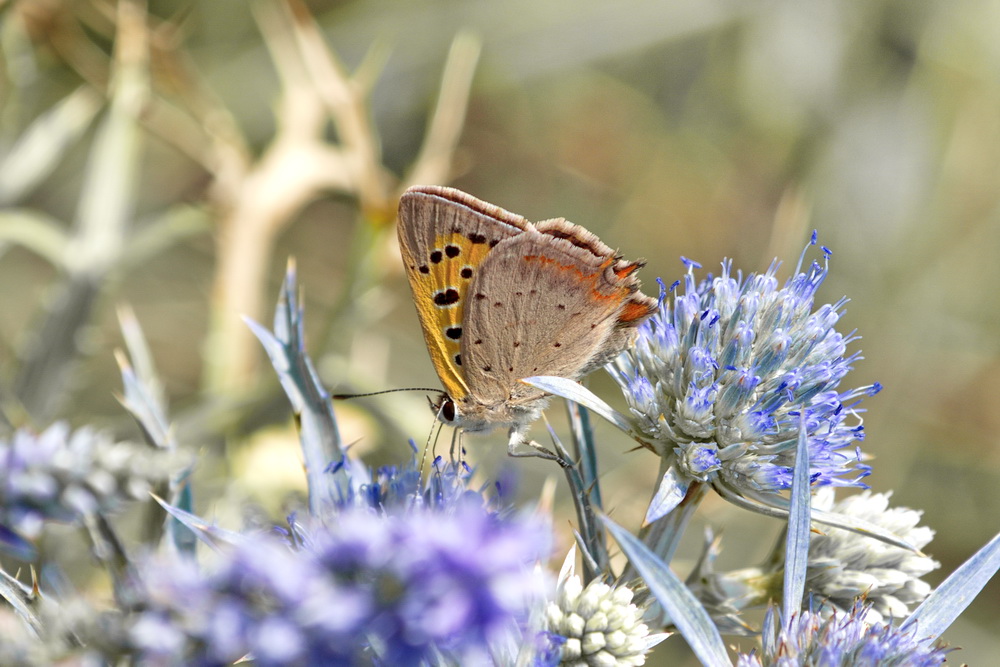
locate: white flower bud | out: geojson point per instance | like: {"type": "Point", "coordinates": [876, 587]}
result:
{"type": "Point", "coordinates": [600, 625]}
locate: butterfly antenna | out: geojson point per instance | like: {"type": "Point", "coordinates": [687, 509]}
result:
{"type": "Point", "coordinates": [343, 397]}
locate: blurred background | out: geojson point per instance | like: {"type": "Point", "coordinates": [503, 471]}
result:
{"type": "Point", "coordinates": [172, 156]}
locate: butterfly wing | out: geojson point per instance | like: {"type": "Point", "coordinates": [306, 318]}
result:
{"type": "Point", "coordinates": [550, 302]}
{"type": "Point", "coordinates": [444, 237]}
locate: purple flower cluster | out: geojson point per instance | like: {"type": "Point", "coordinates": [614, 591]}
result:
{"type": "Point", "coordinates": [720, 377]}
{"type": "Point", "coordinates": [389, 588]}
{"type": "Point", "coordinates": [262, 599]}
{"type": "Point", "coordinates": [393, 486]}
{"type": "Point", "coordinates": [58, 475]}
{"type": "Point", "coordinates": [842, 639]}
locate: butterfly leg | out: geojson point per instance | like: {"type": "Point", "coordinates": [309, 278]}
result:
{"type": "Point", "coordinates": [517, 439]}
{"type": "Point", "coordinates": [456, 445]}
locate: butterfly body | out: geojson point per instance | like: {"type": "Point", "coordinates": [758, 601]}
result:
{"type": "Point", "coordinates": [501, 299]}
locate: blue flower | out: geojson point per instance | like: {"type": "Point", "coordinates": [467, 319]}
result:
{"type": "Point", "coordinates": [59, 475]}
{"type": "Point", "coordinates": [393, 487]}
{"type": "Point", "coordinates": [722, 375]}
{"type": "Point", "coordinates": [842, 639]}
{"type": "Point", "coordinates": [262, 598]}
{"type": "Point", "coordinates": [367, 586]}
{"type": "Point", "coordinates": [452, 580]}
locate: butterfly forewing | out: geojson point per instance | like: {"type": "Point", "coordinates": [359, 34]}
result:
{"type": "Point", "coordinates": [444, 236]}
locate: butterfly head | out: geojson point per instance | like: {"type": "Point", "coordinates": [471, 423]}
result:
{"type": "Point", "coordinates": [478, 417]}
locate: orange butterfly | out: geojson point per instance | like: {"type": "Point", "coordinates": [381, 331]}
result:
{"type": "Point", "coordinates": [501, 299]}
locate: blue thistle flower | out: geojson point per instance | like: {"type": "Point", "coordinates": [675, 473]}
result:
{"type": "Point", "coordinates": [454, 580]}
{"type": "Point", "coordinates": [393, 487]}
{"type": "Point", "coordinates": [377, 587]}
{"type": "Point", "coordinates": [841, 639]}
{"type": "Point", "coordinates": [59, 475]}
{"type": "Point", "coordinates": [261, 599]}
{"type": "Point", "coordinates": [721, 376]}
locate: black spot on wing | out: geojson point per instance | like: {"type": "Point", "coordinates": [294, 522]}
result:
{"type": "Point", "coordinates": [446, 297]}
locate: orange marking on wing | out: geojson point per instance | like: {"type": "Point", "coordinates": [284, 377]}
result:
{"type": "Point", "coordinates": [586, 278]}
{"type": "Point", "coordinates": [548, 260]}
{"type": "Point", "coordinates": [635, 310]}
{"type": "Point", "coordinates": [628, 269]}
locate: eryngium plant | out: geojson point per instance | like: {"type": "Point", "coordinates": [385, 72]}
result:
{"type": "Point", "coordinates": [417, 565]}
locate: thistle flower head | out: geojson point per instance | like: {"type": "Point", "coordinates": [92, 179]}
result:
{"type": "Point", "coordinates": [596, 625]}
{"type": "Point", "coordinates": [392, 587]}
{"type": "Point", "coordinates": [844, 565]}
{"type": "Point", "coordinates": [722, 374]}
{"type": "Point", "coordinates": [60, 475]}
{"type": "Point", "coordinates": [843, 639]}
{"type": "Point", "coordinates": [394, 487]}
{"type": "Point", "coordinates": [454, 580]}
{"type": "Point", "coordinates": [261, 598]}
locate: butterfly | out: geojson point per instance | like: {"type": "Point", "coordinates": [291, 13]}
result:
{"type": "Point", "coordinates": [500, 299]}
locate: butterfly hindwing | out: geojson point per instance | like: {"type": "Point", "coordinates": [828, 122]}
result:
{"type": "Point", "coordinates": [542, 304]}
{"type": "Point", "coordinates": [445, 236]}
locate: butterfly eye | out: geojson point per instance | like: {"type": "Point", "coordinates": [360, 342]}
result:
{"type": "Point", "coordinates": [448, 410]}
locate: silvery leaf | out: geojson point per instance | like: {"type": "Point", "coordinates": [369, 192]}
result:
{"type": "Point", "coordinates": [940, 609]}
{"type": "Point", "coordinates": [576, 392]}
{"type": "Point", "coordinates": [677, 601]}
